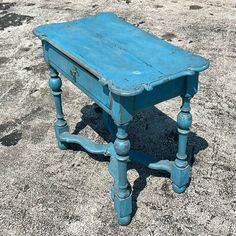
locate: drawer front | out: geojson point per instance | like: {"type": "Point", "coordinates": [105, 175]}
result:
{"type": "Point", "coordinates": [83, 79]}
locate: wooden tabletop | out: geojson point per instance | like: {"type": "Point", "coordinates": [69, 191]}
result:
{"type": "Point", "coordinates": [118, 53]}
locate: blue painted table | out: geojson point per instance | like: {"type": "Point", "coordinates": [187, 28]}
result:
{"type": "Point", "coordinates": [124, 70]}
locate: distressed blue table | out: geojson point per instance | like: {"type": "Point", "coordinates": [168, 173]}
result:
{"type": "Point", "coordinates": [124, 70]}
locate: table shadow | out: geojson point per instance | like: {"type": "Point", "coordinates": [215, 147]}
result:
{"type": "Point", "coordinates": [152, 132]}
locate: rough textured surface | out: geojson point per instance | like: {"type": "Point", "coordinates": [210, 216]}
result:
{"type": "Point", "coordinates": [45, 191]}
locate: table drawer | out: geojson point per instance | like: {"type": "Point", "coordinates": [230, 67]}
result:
{"type": "Point", "coordinates": [82, 78]}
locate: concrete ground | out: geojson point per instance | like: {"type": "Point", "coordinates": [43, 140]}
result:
{"type": "Point", "coordinates": [46, 191]}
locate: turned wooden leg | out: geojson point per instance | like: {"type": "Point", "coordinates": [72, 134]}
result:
{"type": "Point", "coordinates": [121, 192]}
{"type": "Point", "coordinates": [181, 170]}
{"type": "Point", "coordinates": [60, 124]}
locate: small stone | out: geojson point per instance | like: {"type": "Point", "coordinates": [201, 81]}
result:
{"type": "Point", "coordinates": [195, 7]}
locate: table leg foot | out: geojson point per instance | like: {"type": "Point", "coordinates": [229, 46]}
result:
{"type": "Point", "coordinates": [178, 189]}
{"type": "Point", "coordinates": [59, 130]}
{"type": "Point", "coordinates": [123, 209]}
{"type": "Point", "coordinates": [62, 146]}
{"type": "Point", "coordinates": [124, 220]}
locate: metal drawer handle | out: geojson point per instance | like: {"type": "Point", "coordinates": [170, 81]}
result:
{"type": "Point", "coordinates": [73, 72]}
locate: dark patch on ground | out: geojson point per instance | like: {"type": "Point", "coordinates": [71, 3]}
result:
{"type": "Point", "coordinates": [11, 139]}
{"type": "Point", "coordinates": [38, 132]}
{"type": "Point", "coordinates": [11, 90]}
{"type": "Point", "coordinates": [94, 5]}
{"type": "Point", "coordinates": [10, 125]}
{"type": "Point", "coordinates": [72, 218]}
{"type": "Point", "coordinates": [63, 9]}
{"type": "Point", "coordinates": [17, 88]}
{"type": "Point", "coordinates": [168, 36]}
{"type": "Point", "coordinates": [25, 49]}
{"type": "Point", "coordinates": [7, 126]}
{"type": "Point", "coordinates": [3, 60]}
{"type": "Point", "coordinates": [167, 219]}
{"type": "Point", "coordinates": [151, 206]}
{"type": "Point", "coordinates": [40, 68]}
{"type": "Point", "coordinates": [32, 113]}
{"type": "Point", "coordinates": [6, 5]}
{"type": "Point", "coordinates": [13, 19]}
{"type": "Point", "coordinates": [195, 7]}
{"type": "Point", "coordinates": [30, 4]}
{"type": "Point", "coordinates": [33, 91]}
{"type": "Point", "coordinates": [6, 46]}
{"type": "Point", "coordinates": [158, 6]}
{"type": "Point", "coordinates": [128, 1]}
{"type": "Point", "coordinates": [28, 68]}
{"type": "Point", "coordinates": [165, 187]}
{"type": "Point", "coordinates": [3, 12]}
{"type": "Point", "coordinates": [26, 187]}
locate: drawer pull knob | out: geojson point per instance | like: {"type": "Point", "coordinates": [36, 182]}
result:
{"type": "Point", "coordinates": [73, 72]}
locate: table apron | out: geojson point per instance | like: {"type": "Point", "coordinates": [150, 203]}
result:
{"type": "Point", "coordinates": [163, 92]}
{"type": "Point", "coordinates": [90, 85]}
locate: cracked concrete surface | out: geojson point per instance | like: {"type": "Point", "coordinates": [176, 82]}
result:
{"type": "Point", "coordinates": [46, 191]}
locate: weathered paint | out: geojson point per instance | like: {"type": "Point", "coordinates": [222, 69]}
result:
{"type": "Point", "coordinates": [101, 56]}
